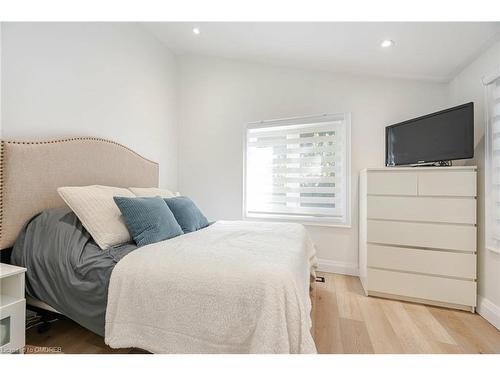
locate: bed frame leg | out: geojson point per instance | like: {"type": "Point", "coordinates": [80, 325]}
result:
{"type": "Point", "coordinates": [43, 327]}
{"type": "Point", "coordinates": [46, 318]}
{"type": "Point", "coordinates": [46, 321]}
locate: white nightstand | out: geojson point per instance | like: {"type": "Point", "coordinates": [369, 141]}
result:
{"type": "Point", "coordinates": [12, 309]}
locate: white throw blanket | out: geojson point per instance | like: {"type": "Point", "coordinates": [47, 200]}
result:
{"type": "Point", "coordinates": [234, 287]}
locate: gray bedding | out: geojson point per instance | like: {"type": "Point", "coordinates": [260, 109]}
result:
{"type": "Point", "coordinates": [65, 267]}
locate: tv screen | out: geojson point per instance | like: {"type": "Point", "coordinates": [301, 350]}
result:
{"type": "Point", "coordinates": [441, 136]}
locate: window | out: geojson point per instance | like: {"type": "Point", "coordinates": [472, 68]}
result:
{"type": "Point", "coordinates": [299, 169]}
{"type": "Point", "coordinates": [492, 170]}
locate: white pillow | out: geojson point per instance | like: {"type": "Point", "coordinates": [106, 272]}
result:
{"type": "Point", "coordinates": [153, 192]}
{"type": "Point", "coordinates": [96, 209]}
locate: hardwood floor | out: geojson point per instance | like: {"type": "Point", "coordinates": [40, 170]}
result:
{"type": "Point", "coordinates": [65, 336]}
{"type": "Point", "coordinates": [344, 321]}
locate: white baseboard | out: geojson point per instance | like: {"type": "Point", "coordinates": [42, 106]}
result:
{"type": "Point", "coordinates": [489, 311]}
{"type": "Point", "coordinates": [343, 268]}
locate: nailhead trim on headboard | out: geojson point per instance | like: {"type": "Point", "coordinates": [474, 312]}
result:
{"type": "Point", "coordinates": [66, 140]}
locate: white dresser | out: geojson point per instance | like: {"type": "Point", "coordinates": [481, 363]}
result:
{"type": "Point", "coordinates": [417, 234]}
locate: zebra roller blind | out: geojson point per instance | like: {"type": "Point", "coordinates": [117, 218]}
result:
{"type": "Point", "coordinates": [299, 169]}
{"type": "Point", "coordinates": [493, 166]}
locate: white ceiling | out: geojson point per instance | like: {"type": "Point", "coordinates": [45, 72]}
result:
{"type": "Point", "coordinates": [429, 51]}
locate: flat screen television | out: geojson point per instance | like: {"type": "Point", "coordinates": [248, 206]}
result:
{"type": "Point", "coordinates": [438, 137]}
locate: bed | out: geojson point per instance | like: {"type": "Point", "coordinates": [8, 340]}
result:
{"type": "Point", "coordinates": [233, 287]}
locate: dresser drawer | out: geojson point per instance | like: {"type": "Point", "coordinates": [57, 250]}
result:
{"type": "Point", "coordinates": [436, 236]}
{"type": "Point", "coordinates": [432, 209]}
{"type": "Point", "coordinates": [433, 288]}
{"type": "Point", "coordinates": [392, 183]}
{"type": "Point", "coordinates": [460, 183]}
{"type": "Point", "coordinates": [443, 263]}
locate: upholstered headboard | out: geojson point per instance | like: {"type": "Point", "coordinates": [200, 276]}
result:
{"type": "Point", "coordinates": [30, 173]}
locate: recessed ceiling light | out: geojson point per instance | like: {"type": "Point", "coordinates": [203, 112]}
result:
{"type": "Point", "coordinates": [387, 43]}
{"type": "Point", "coordinates": [196, 31]}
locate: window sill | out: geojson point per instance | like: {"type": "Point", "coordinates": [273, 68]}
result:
{"type": "Point", "coordinates": [311, 223]}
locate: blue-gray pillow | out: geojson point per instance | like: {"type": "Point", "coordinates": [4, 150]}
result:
{"type": "Point", "coordinates": [189, 217]}
{"type": "Point", "coordinates": [148, 219]}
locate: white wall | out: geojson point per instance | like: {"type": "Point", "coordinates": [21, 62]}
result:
{"type": "Point", "coordinates": [110, 80]}
{"type": "Point", "coordinates": [466, 87]}
{"type": "Point", "coordinates": [219, 96]}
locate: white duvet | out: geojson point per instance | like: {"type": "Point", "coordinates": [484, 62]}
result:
{"type": "Point", "coordinates": [234, 287]}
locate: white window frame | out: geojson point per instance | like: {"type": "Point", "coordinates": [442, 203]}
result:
{"type": "Point", "coordinates": [306, 220]}
{"type": "Point", "coordinates": [492, 243]}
